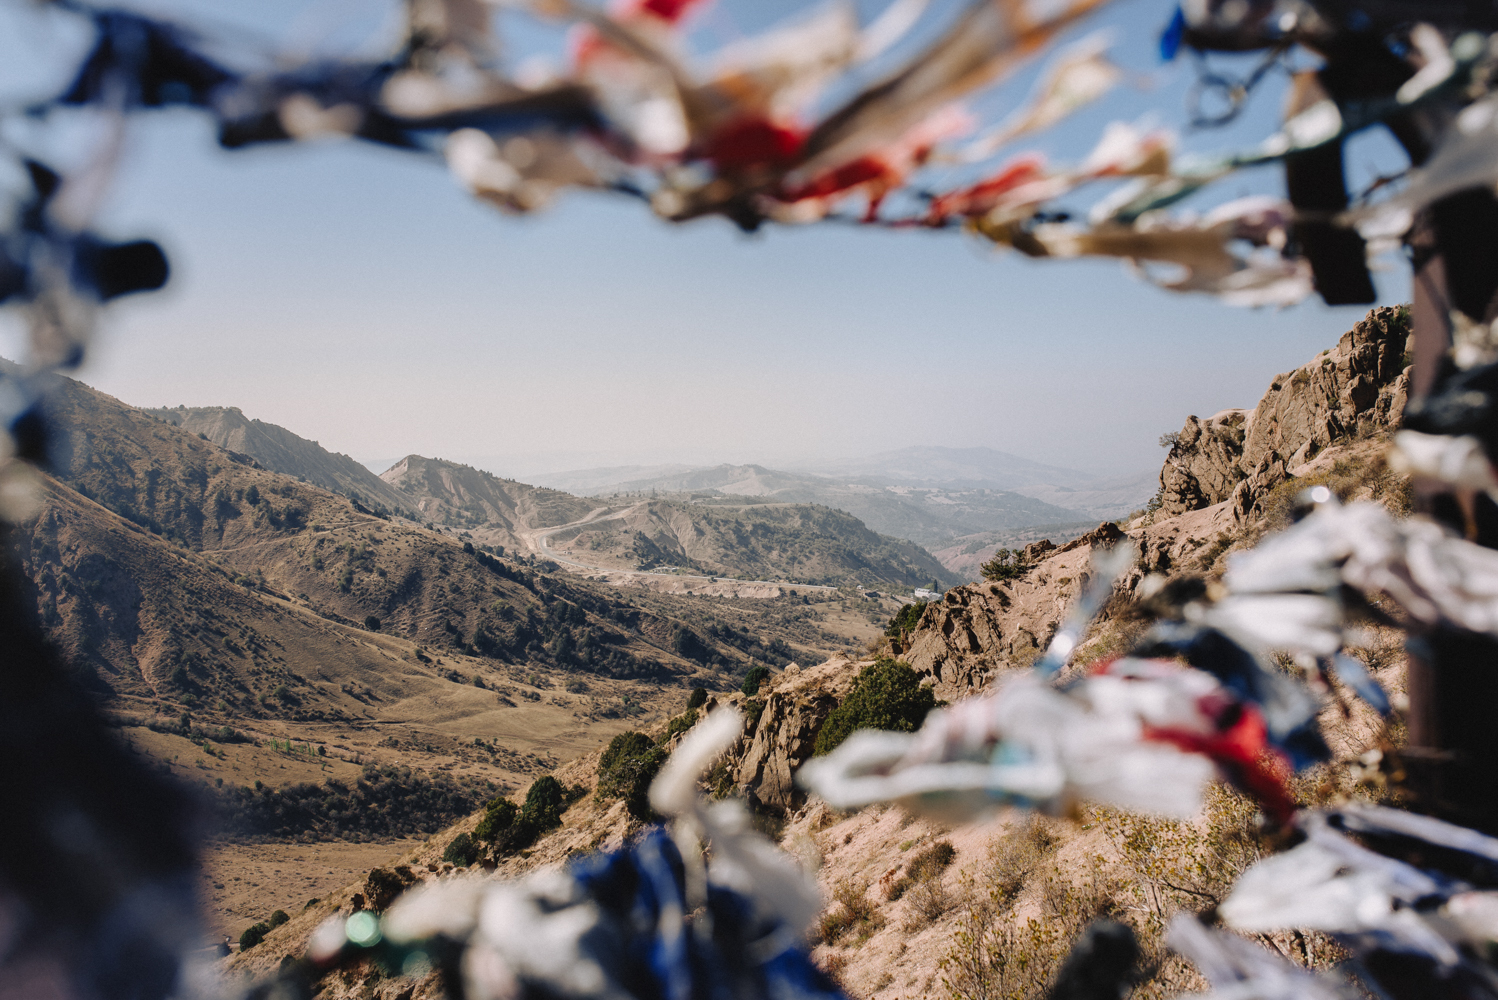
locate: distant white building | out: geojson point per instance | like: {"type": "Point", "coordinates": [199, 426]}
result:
{"type": "Point", "coordinates": [922, 594]}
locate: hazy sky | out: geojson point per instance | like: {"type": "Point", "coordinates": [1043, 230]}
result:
{"type": "Point", "coordinates": [357, 296]}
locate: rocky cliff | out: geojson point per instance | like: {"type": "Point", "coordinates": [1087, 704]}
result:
{"type": "Point", "coordinates": [1324, 422]}
{"type": "Point", "coordinates": [1355, 389]}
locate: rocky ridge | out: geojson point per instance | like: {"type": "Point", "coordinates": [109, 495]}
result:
{"type": "Point", "coordinates": [279, 449]}
{"type": "Point", "coordinates": [1355, 389]}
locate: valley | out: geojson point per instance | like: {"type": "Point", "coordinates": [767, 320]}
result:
{"type": "Point", "coordinates": [928, 497]}
{"type": "Point", "coordinates": [272, 633]}
{"type": "Point", "coordinates": [344, 673]}
{"type": "Point", "coordinates": [1027, 883]}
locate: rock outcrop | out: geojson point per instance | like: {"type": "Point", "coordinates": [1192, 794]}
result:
{"type": "Point", "coordinates": [1204, 462]}
{"type": "Point", "coordinates": [765, 762]}
{"type": "Point", "coordinates": [1355, 388]}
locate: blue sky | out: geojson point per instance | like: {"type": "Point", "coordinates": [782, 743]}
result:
{"type": "Point", "coordinates": [359, 297]}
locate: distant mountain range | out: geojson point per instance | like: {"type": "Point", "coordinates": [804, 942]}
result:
{"type": "Point", "coordinates": [959, 502]}
{"type": "Point", "coordinates": [987, 468]}
{"type": "Point", "coordinates": [930, 495]}
{"type": "Point", "coordinates": [794, 540]}
{"type": "Point", "coordinates": [929, 465]}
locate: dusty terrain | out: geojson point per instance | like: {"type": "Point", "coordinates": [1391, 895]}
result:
{"type": "Point", "coordinates": [243, 884]}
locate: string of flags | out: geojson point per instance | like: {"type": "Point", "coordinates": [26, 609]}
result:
{"type": "Point", "coordinates": [749, 131]}
{"type": "Point", "coordinates": [812, 118]}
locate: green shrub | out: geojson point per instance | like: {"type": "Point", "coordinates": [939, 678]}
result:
{"type": "Point", "coordinates": [461, 851]}
{"type": "Point", "coordinates": [757, 675]}
{"type": "Point", "coordinates": [887, 695]}
{"type": "Point", "coordinates": [680, 724]}
{"type": "Point", "coordinates": [542, 810]}
{"type": "Point", "coordinates": [499, 819]}
{"type": "Point", "coordinates": [277, 919]}
{"type": "Point", "coordinates": [382, 885]}
{"type": "Point", "coordinates": [253, 935]}
{"type": "Point", "coordinates": [905, 620]}
{"type": "Point", "coordinates": [697, 698]}
{"type": "Point", "coordinates": [372, 623]}
{"type": "Point", "coordinates": [626, 770]}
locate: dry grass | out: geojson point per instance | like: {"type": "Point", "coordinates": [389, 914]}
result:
{"type": "Point", "coordinates": [854, 915]}
{"type": "Point", "coordinates": [1363, 474]}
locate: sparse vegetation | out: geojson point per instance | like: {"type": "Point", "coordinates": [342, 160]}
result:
{"type": "Point", "coordinates": [923, 874]}
{"type": "Point", "coordinates": [383, 802]}
{"type": "Point", "coordinates": [852, 915]}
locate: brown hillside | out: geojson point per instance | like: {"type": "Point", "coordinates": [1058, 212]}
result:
{"type": "Point", "coordinates": [201, 594]}
{"type": "Point", "coordinates": [797, 543]}
{"type": "Point", "coordinates": [279, 450]}
{"type": "Point", "coordinates": [462, 496]}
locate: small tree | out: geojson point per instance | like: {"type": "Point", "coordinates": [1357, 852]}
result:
{"type": "Point", "coordinates": [757, 675]}
{"type": "Point", "coordinates": [1006, 564]}
{"type": "Point", "coordinates": [461, 851]}
{"type": "Point", "coordinates": [382, 885]}
{"type": "Point", "coordinates": [697, 698]}
{"type": "Point", "coordinates": [542, 811]}
{"type": "Point", "coordinates": [253, 935]}
{"type": "Point", "coordinates": [372, 623]}
{"type": "Point", "coordinates": [905, 620]}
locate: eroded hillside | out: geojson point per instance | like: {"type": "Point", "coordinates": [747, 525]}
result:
{"type": "Point", "coordinates": [798, 543]}
{"type": "Point", "coordinates": [498, 510]}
